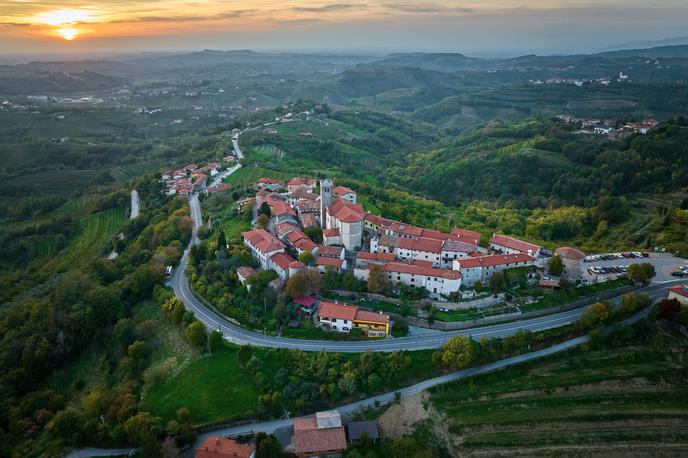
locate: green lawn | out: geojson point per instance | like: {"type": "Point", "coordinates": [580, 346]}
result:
{"type": "Point", "coordinates": [555, 298]}
{"type": "Point", "coordinates": [213, 388]}
{"type": "Point", "coordinates": [247, 176]}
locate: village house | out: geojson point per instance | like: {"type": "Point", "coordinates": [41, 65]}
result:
{"type": "Point", "coordinates": [299, 194]}
{"type": "Point", "coordinates": [243, 272]}
{"type": "Point", "coordinates": [344, 193]}
{"type": "Point", "coordinates": [280, 263]}
{"type": "Point", "coordinates": [332, 237]}
{"type": "Point", "coordinates": [220, 447]}
{"type": "Point", "coordinates": [344, 317]}
{"type": "Point", "coordinates": [298, 182]}
{"type": "Point", "coordinates": [441, 253]}
{"type": "Point", "coordinates": [376, 223]}
{"type": "Point", "coordinates": [321, 436]}
{"type": "Point", "coordinates": [510, 245]}
{"type": "Point", "coordinates": [331, 252]}
{"type": "Point", "coordinates": [466, 236]}
{"type": "Point", "coordinates": [680, 293]}
{"type": "Point", "coordinates": [322, 263]}
{"type": "Point", "coordinates": [572, 258]}
{"type": "Point", "coordinates": [417, 274]}
{"type": "Point", "coordinates": [482, 268]}
{"type": "Point", "coordinates": [365, 259]}
{"type": "Point", "coordinates": [262, 245]}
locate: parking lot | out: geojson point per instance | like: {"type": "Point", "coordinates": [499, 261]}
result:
{"type": "Point", "coordinates": [664, 263]}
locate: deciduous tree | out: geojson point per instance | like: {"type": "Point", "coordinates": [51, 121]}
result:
{"type": "Point", "coordinates": [377, 279]}
{"type": "Point", "coordinates": [556, 265]}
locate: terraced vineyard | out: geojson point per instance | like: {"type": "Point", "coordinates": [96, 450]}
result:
{"type": "Point", "coordinates": [607, 398]}
{"type": "Point", "coordinates": [96, 230]}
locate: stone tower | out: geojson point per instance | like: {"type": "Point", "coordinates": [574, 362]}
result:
{"type": "Point", "coordinates": [325, 200]}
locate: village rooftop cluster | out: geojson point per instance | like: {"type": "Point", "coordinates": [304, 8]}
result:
{"type": "Point", "coordinates": [445, 265]}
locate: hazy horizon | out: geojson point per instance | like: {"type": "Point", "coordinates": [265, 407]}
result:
{"type": "Point", "coordinates": [497, 28]}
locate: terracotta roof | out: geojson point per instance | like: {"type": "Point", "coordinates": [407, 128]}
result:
{"type": "Point", "coordinates": [296, 235]}
{"type": "Point", "coordinates": [421, 244]}
{"type": "Point", "coordinates": [415, 269]}
{"type": "Point", "coordinates": [270, 181]}
{"type": "Point", "coordinates": [680, 289]}
{"type": "Point", "coordinates": [302, 192]}
{"type": "Point", "coordinates": [339, 311]}
{"type": "Point", "coordinates": [307, 206]}
{"type": "Point", "coordinates": [308, 220]}
{"type": "Point", "coordinates": [263, 240]}
{"type": "Point", "coordinates": [297, 265]}
{"type": "Point", "coordinates": [305, 245]}
{"type": "Point", "coordinates": [403, 228]}
{"type": "Point", "coordinates": [218, 447]}
{"type": "Point", "coordinates": [570, 253]}
{"type": "Point", "coordinates": [371, 317]}
{"type": "Point", "coordinates": [306, 301]}
{"type": "Point", "coordinates": [341, 190]}
{"type": "Point", "coordinates": [375, 256]}
{"type": "Point", "coordinates": [245, 271]}
{"type": "Point", "coordinates": [494, 260]}
{"type": "Point", "coordinates": [345, 211]}
{"type": "Point", "coordinates": [301, 181]}
{"type": "Point", "coordinates": [310, 440]}
{"type": "Point", "coordinates": [283, 260]}
{"type": "Point", "coordinates": [378, 220]}
{"type": "Point", "coordinates": [218, 187]}
{"type": "Point", "coordinates": [324, 261]}
{"type": "Point", "coordinates": [285, 229]}
{"type": "Point", "coordinates": [514, 244]}
{"type": "Point", "coordinates": [330, 251]}
{"type": "Point", "coordinates": [457, 246]}
{"type": "Point", "coordinates": [388, 240]}
{"type": "Point", "coordinates": [472, 236]}
{"type": "Point", "coordinates": [279, 207]}
{"type": "Point", "coordinates": [334, 232]}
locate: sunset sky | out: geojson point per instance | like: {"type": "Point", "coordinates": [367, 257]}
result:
{"type": "Point", "coordinates": [496, 26]}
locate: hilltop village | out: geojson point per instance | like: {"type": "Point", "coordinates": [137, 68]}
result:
{"type": "Point", "coordinates": [289, 216]}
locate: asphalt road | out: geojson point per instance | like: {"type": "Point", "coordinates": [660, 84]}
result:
{"type": "Point", "coordinates": [419, 341]}
{"type": "Point", "coordinates": [269, 427]}
{"type": "Point", "coordinates": [134, 203]}
{"type": "Point", "coordinates": [235, 144]}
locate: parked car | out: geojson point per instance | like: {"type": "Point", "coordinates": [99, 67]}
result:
{"type": "Point", "coordinates": [679, 273]}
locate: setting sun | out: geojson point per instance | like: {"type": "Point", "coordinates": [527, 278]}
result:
{"type": "Point", "coordinates": [68, 33]}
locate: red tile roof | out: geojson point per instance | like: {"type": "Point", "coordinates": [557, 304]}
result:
{"type": "Point", "coordinates": [375, 256]}
{"type": "Point", "coordinates": [494, 260]}
{"type": "Point", "coordinates": [330, 251]}
{"type": "Point", "coordinates": [296, 235]}
{"type": "Point", "coordinates": [263, 240]}
{"type": "Point", "coordinates": [302, 192]}
{"type": "Point", "coordinates": [345, 211]}
{"type": "Point", "coordinates": [283, 260]}
{"type": "Point", "coordinates": [334, 232]}
{"type": "Point", "coordinates": [415, 269]}
{"type": "Point", "coordinates": [371, 317]}
{"type": "Point", "coordinates": [466, 235]}
{"type": "Point", "coordinates": [305, 245]}
{"type": "Point", "coordinates": [218, 447]}
{"type": "Point", "coordinates": [338, 311]}
{"type": "Point", "coordinates": [306, 301]}
{"type": "Point", "coordinates": [341, 190]}
{"type": "Point", "coordinates": [308, 220]}
{"type": "Point", "coordinates": [378, 220]}
{"type": "Point", "coordinates": [680, 289]}
{"type": "Point", "coordinates": [570, 253]}
{"type": "Point", "coordinates": [301, 181]}
{"type": "Point", "coordinates": [324, 261]}
{"type": "Point", "coordinates": [514, 244]}
{"type": "Point", "coordinates": [309, 440]}
{"type": "Point", "coordinates": [245, 271]}
{"type": "Point", "coordinates": [421, 244]}
{"type": "Point", "coordinates": [403, 228]}
{"type": "Point", "coordinates": [297, 265]}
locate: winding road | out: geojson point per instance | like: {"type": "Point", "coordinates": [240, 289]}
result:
{"type": "Point", "coordinates": [421, 341]}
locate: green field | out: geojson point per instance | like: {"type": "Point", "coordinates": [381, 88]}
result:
{"type": "Point", "coordinates": [247, 176]}
{"type": "Point", "coordinates": [95, 231]}
{"type": "Point", "coordinates": [622, 395]}
{"type": "Point", "coordinates": [213, 388]}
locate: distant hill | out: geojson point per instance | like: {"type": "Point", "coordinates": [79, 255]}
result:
{"type": "Point", "coordinates": [676, 52]}
{"type": "Point", "coordinates": [26, 80]}
{"type": "Point", "coordinates": [440, 62]}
